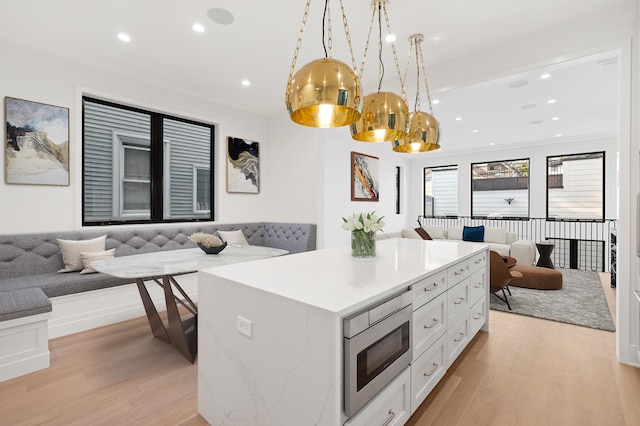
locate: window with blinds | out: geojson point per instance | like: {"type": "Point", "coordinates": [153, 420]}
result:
{"type": "Point", "coordinates": [144, 166]}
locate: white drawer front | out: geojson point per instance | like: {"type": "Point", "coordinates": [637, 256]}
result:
{"type": "Point", "coordinates": [478, 261]}
{"type": "Point", "coordinates": [458, 272]}
{"type": "Point", "coordinates": [428, 288]}
{"type": "Point", "coordinates": [477, 316]}
{"type": "Point", "coordinates": [429, 323]}
{"type": "Point", "coordinates": [427, 371]}
{"type": "Point", "coordinates": [391, 407]}
{"type": "Point", "coordinates": [458, 301]}
{"type": "Point", "coordinates": [457, 339]}
{"type": "Point", "coordinates": [478, 285]}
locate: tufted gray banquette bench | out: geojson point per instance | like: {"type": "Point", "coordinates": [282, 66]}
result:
{"type": "Point", "coordinates": [29, 277]}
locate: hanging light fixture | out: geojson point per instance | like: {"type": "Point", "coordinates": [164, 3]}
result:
{"type": "Point", "coordinates": [424, 129]}
{"type": "Point", "coordinates": [385, 115]}
{"type": "Point", "coordinates": [325, 92]}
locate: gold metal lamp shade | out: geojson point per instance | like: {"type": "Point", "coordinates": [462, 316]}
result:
{"type": "Point", "coordinates": [385, 117]}
{"type": "Point", "coordinates": [424, 134]}
{"type": "Point", "coordinates": [324, 93]}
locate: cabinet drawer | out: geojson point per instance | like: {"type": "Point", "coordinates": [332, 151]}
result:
{"type": "Point", "coordinates": [458, 301]}
{"type": "Point", "coordinates": [457, 339]}
{"type": "Point", "coordinates": [428, 288]}
{"type": "Point", "coordinates": [427, 371]}
{"type": "Point", "coordinates": [477, 316]}
{"type": "Point", "coordinates": [458, 272]}
{"type": "Point", "coordinates": [429, 323]}
{"type": "Point", "coordinates": [478, 285]}
{"type": "Point", "coordinates": [478, 261]}
{"type": "Point", "coordinates": [391, 407]}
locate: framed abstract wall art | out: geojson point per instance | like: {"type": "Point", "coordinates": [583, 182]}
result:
{"type": "Point", "coordinates": [364, 177]}
{"type": "Point", "coordinates": [37, 143]}
{"type": "Point", "coordinates": [243, 166]}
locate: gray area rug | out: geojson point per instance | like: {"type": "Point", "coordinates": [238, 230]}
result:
{"type": "Point", "coordinates": [581, 301]}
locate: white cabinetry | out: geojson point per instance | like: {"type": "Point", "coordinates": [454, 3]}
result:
{"type": "Point", "coordinates": [391, 407]}
{"type": "Point", "coordinates": [445, 319]}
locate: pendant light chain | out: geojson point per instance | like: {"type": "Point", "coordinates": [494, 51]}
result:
{"type": "Point", "coordinates": [380, 63]}
{"type": "Point", "coordinates": [366, 45]}
{"type": "Point", "coordinates": [395, 54]}
{"type": "Point", "coordinates": [298, 43]}
{"type": "Point", "coordinates": [426, 83]}
{"type": "Point", "coordinates": [417, 105]}
{"type": "Point", "coordinates": [348, 35]}
{"type": "Point", "coordinates": [327, 8]}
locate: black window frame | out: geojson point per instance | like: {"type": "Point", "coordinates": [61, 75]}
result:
{"type": "Point", "coordinates": [604, 187]}
{"type": "Point", "coordinates": [424, 211]}
{"type": "Point", "coordinates": [473, 216]}
{"type": "Point", "coordinates": [398, 199]}
{"type": "Point", "coordinates": [157, 166]}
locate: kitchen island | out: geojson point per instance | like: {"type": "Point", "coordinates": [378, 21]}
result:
{"type": "Point", "coordinates": [270, 331]}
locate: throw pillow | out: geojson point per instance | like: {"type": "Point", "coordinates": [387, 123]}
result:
{"type": "Point", "coordinates": [89, 257]}
{"type": "Point", "coordinates": [423, 234]}
{"type": "Point", "coordinates": [410, 234]}
{"type": "Point", "coordinates": [455, 233]}
{"type": "Point", "coordinates": [473, 233]}
{"type": "Point", "coordinates": [436, 232]}
{"type": "Point", "coordinates": [233, 238]}
{"type": "Point", "coordinates": [495, 235]}
{"type": "Point", "coordinates": [70, 250]}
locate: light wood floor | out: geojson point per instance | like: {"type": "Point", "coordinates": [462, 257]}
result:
{"type": "Point", "coordinates": [524, 372]}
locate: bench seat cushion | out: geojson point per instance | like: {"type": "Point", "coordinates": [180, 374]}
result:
{"type": "Point", "coordinates": [54, 284]}
{"type": "Point", "coordinates": [22, 303]}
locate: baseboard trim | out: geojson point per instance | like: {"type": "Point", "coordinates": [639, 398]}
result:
{"type": "Point", "coordinates": [79, 312]}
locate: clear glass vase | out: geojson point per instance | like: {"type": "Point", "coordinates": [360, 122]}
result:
{"type": "Point", "coordinates": [363, 244]}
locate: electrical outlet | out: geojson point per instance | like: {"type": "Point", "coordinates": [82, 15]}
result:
{"type": "Point", "coordinates": [244, 326]}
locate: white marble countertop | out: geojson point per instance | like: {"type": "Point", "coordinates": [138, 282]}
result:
{"type": "Point", "coordinates": [333, 280]}
{"type": "Point", "coordinates": [182, 261]}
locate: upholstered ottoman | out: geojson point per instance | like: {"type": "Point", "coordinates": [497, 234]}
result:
{"type": "Point", "coordinates": [537, 277]}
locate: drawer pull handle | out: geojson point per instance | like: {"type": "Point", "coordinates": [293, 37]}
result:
{"type": "Point", "coordinates": [458, 272]}
{"type": "Point", "coordinates": [477, 261]}
{"type": "Point", "coordinates": [459, 301]}
{"type": "Point", "coordinates": [433, 370]}
{"type": "Point", "coordinates": [459, 338]}
{"type": "Point", "coordinates": [433, 324]}
{"type": "Point", "coordinates": [392, 415]}
{"type": "Point", "coordinates": [433, 287]}
{"type": "Point", "coordinates": [477, 285]}
{"type": "Point", "coordinates": [477, 316]}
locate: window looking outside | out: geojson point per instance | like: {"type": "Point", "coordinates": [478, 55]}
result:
{"type": "Point", "coordinates": [143, 166]}
{"type": "Point", "coordinates": [500, 189]}
{"type": "Point", "coordinates": [575, 186]}
{"type": "Point", "coordinates": [440, 191]}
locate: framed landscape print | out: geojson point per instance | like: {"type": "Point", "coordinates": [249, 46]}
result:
{"type": "Point", "coordinates": [364, 177]}
{"type": "Point", "coordinates": [243, 166]}
{"type": "Point", "coordinates": [37, 143]}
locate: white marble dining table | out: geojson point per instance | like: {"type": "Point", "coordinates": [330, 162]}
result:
{"type": "Point", "coordinates": [162, 267]}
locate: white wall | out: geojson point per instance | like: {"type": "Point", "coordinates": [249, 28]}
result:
{"type": "Point", "coordinates": [34, 76]}
{"type": "Point", "coordinates": [335, 149]}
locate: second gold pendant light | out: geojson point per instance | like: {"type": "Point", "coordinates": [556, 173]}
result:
{"type": "Point", "coordinates": [385, 115]}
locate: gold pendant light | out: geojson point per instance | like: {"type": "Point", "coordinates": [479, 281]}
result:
{"type": "Point", "coordinates": [385, 115]}
{"type": "Point", "coordinates": [424, 129]}
{"type": "Point", "coordinates": [325, 92]}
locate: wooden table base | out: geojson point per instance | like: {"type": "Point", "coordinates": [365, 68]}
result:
{"type": "Point", "coordinates": [182, 334]}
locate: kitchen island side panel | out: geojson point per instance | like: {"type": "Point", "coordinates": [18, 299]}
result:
{"type": "Point", "coordinates": [287, 373]}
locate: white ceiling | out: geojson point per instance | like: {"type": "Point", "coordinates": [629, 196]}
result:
{"type": "Point", "coordinates": [259, 46]}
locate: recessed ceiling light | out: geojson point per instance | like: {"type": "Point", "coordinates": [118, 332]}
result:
{"type": "Point", "coordinates": [458, 118]}
{"type": "Point", "coordinates": [124, 37]}
{"type": "Point", "coordinates": [475, 131]}
{"type": "Point", "coordinates": [492, 143]}
{"type": "Point", "coordinates": [555, 118]}
{"type": "Point", "coordinates": [390, 38]}
{"type": "Point", "coordinates": [197, 27]}
{"type": "Point", "coordinates": [558, 135]}
{"type": "Point", "coordinates": [551, 101]}
{"type": "Point", "coordinates": [246, 83]}
{"type": "Point", "coordinates": [220, 16]}
{"type": "Point", "coordinates": [435, 101]}
{"type": "Point", "coordinates": [545, 75]}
